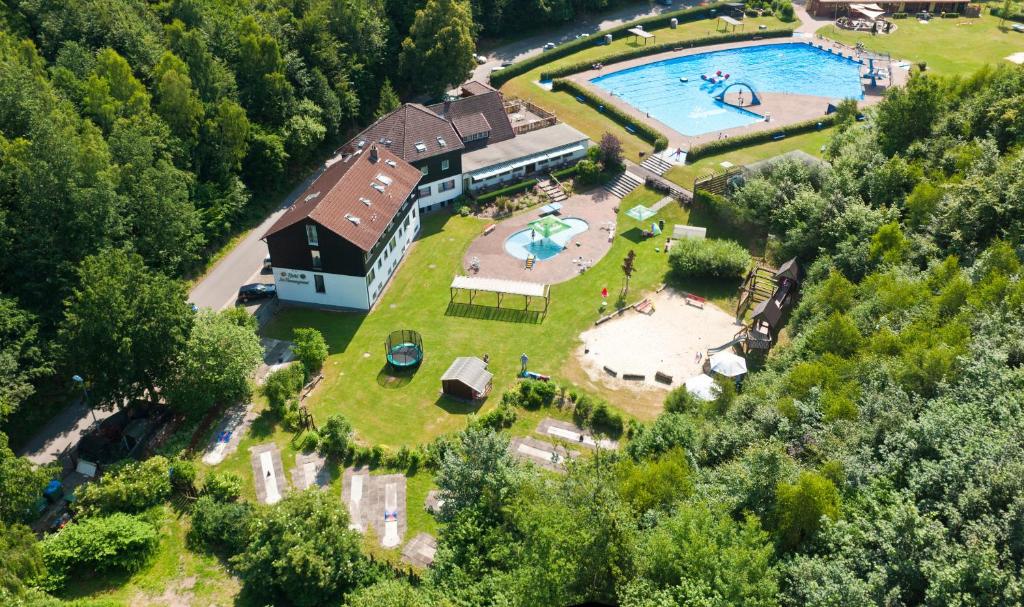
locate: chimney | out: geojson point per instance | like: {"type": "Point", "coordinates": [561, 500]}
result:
{"type": "Point", "coordinates": [373, 154]}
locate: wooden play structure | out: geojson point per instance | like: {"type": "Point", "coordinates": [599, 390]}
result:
{"type": "Point", "coordinates": [771, 292]}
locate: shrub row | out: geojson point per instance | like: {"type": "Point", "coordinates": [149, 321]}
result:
{"type": "Point", "coordinates": [951, 15]}
{"type": "Point", "coordinates": [711, 258]}
{"type": "Point", "coordinates": [643, 131]}
{"type": "Point", "coordinates": [515, 188]}
{"type": "Point", "coordinates": [564, 50]}
{"type": "Point", "coordinates": [661, 47]}
{"type": "Point", "coordinates": [1012, 16]}
{"type": "Point", "coordinates": [566, 172]}
{"type": "Point", "coordinates": [899, 15]}
{"type": "Point", "coordinates": [731, 143]}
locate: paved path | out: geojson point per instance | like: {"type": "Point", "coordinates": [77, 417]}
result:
{"type": "Point", "coordinates": [244, 263]}
{"type": "Point", "coordinates": [62, 432]}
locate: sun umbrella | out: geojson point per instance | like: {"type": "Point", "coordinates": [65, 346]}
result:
{"type": "Point", "coordinates": [655, 229]}
{"type": "Point", "coordinates": [728, 364]}
{"type": "Point", "coordinates": [548, 226]}
{"type": "Point", "coordinates": [702, 386]}
{"type": "Point", "coordinates": [640, 213]}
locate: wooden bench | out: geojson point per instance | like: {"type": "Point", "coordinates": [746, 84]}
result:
{"type": "Point", "coordinates": [490, 229]}
{"type": "Point", "coordinates": [663, 378]}
{"type": "Point", "coordinates": [644, 306]}
{"type": "Point", "coordinates": [695, 300]}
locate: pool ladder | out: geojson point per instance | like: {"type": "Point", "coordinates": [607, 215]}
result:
{"type": "Point", "coordinates": [529, 262]}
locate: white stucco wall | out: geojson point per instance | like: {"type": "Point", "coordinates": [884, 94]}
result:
{"type": "Point", "coordinates": [387, 262]}
{"type": "Point", "coordinates": [435, 197]}
{"type": "Point", "coordinates": [340, 290]}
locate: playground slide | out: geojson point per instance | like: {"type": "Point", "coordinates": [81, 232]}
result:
{"type": "Point", "coordinates": [391, 538]}
{"type": "Point", "coordinates": [216, 455]}
{"type": "Point", "coordinates": [726, 346]}
{"type": "Point", "coordinates": [270, 477]}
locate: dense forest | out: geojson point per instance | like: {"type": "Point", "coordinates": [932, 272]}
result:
{"type": "Point", "coordinates": [876, 459]}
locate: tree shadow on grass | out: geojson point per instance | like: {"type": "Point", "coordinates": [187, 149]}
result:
{"type": "Point", "coordinates": [392, 379]}
{"type": "Point", "coordinates": [634, 235]}
{"type": "Point", "coordinates": [466, 310]}
{"type": "Point", "coordinates": [264, 425]}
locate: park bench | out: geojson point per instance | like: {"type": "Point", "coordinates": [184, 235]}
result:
{"type": "Point", "coordinates": [490, 229]}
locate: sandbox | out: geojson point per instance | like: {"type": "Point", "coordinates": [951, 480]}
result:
{"type": "Point", "coordinates": [668, 342]}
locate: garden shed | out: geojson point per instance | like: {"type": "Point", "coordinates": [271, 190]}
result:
{"type": "Point", "coordinates": [467, 378]}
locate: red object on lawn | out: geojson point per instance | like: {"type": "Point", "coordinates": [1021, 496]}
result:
{"type": "Point", "coordinates": [604, 293]}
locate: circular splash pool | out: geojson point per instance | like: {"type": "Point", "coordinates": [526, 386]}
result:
{"type": "Point", "coordinates": [524, 243]}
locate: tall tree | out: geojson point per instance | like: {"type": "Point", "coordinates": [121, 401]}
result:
{"type": "Point", "coordinates": [124, 326]}
{"type": "Point", "coordinates": [215, 366]}
{"type": "Point", "coordinates": [628, 265]}
{"type": "Point", "coordinates": [21, 484]}
{"type": "Point", "coordinates": [389, 100]}
{"type": "Point", "coordinates": [21, 357]}
{"type": "Point", "coordinates": [438, 53]}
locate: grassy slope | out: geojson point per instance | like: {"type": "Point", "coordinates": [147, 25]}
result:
{"type": "Point", "coordinates": [950, 46]}
{"type": "Point", "coordinates": [587, 120]}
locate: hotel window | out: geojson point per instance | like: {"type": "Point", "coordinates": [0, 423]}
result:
{"type": "Point", "coordinates": [445, 186]}
{"type": "Point", "coordinates": [406, 222]}
{"type": "Point", "coordinates": [444, 165]}
{"type": "Point", "coordinates": [311, 237]}
{"type": "Point", "coordinates": [316, 259]}
{"type": "Point", "coordinates": [370, 277]}
{"type": "Point", "coordinates": [424, 170]}
{"type": "Point", "coordinates": [318, 282]}
{"type": "Point", "coordinates": [423, 191]}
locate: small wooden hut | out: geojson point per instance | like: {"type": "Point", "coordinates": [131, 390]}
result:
{"type": "Point", "coordinates": [467, 378]}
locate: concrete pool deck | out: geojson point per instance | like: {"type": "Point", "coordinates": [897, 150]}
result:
{"type": "Point", "coordinates": [595, 206]}
{"type": "Point", "coordinates": [783, 108]}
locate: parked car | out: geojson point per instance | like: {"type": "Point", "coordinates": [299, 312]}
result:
{"type": "Point", "coordinates": [583, 35]}
{"type": "Point", "coordinates": [256, 290]}
{"type": "Point", "coordinates": [549, 46]}
{"type": "Point", "coordinates": [506, 64]}
{"type": "Point", "coordinates": [480, 59]}
{"type": "Point", "coordinates": [1018, 27]}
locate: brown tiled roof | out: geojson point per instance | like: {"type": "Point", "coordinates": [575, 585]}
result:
{"type": "Point", "coordinates": [407, 126]}
{"type": "Point", "coordinates": [473, 124]}
{"type": "Point", "coordinates": [341, 192]}
{"type": "Point", "coordinates": [474, 87]}
{"type": "Point", "coordinates": [489, 104]}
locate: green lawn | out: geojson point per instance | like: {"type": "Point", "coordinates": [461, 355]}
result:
{"type": "Point", "coordinates": [949, 46]}
{"type": "Point", "coordinates": [590, 122]}
{"type": "Point", "coordinates": [410, 410]}
{"type": "Point", "coordinates": [808, 142]}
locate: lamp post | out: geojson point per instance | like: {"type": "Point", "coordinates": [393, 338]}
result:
{"type": "Point", "coordinates": [85, 392]}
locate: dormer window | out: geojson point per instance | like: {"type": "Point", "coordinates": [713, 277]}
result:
{"type": "Point", "coordinates": [441, 142]}
{"type": "Point", "coordinates": [421, 147]}
{"type": "Point", "coordinates": [311, 235]}
{"type": "Point", "coordinates": [311, 196]}
{"type": "Point", "coordinates": [365, 201]}
{"type": "Point", "coordinates": [391, 163]}
{"type": "Point", "coordinates": [384, 179]}
{"type": "Point", "coordinates": [377, 186]}
{"type": "Point", "coordinates": [355, 220]}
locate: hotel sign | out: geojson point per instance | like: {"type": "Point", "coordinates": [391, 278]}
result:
{"type": "Point", "coordinates": [298, 278]}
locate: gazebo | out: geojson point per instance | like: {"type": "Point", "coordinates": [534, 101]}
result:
{"type": "Point", "coordinates": [467, 378]}
{"type": "Point", "coordinates": [548, 226]}
{"type": "Point", "coordinates": [640, 213]}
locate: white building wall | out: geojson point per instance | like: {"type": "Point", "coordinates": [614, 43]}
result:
{"type": "Point", "coordinates": [436, 196]}
{"type": "Point", "coordinates": [387, 262]}
{"type": "Point", "coordinates": [339, 290]}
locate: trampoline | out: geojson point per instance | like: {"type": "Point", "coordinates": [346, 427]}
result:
{"type": "Point", "coordinates": [404, 349]}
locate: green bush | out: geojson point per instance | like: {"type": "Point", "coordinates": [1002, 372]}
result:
{"type": "Point", "coordinates": [183, 475]}
{"type": "Point", "coordinates": [502, 416]}
{"type": "Point", "coordinates": [564, 50]}
{"type": "Point", "coordinates": [310, 348]}
{"type": "Point", "coordinates": [221, 526]}
{"type": "Point", "coordinates": [129, 487]}
{"type": "Point", "coordinates": [283, 385]}
{"type": "Point", "coordinates": [607, 420]}
{"type": "Point", "coordinates": [589, 172]}
{"type": "Point", "coordinates": [899, 15]}
{"type": "Point", "coordinates": [336, 437]}
{"type": "Point", "coordinates": [535, 394]}
{"type": "Point", "coordinates": [786, 12]}
{"type": "Point", "coordinates": [464, 210]}
{"type": "Point", "coordinates": [115, 543]}
{"type": "Point", "coordinates": [717, 146]}
{"type": "Point", "coordinates": [307, 441]}
{"type": "Point", "coordinates": [566, 172]}
{"type": "Point", "coordinates": [692, 258]}
{"type": "Point", "coordinates": [680, 400]}
{"type": "Point", "coordinates": [222, 486]}
{"type": "Point", "coordinates": [515, 188]}
{"type": "Point", "coordinates": [643, 131]}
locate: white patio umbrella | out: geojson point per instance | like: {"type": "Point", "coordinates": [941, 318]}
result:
{"type": "Point", "coordinates": [728, 364]}
{"type": "Point", "coordinates": [702, 386]}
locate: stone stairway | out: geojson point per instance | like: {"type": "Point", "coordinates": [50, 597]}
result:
{"type": "Point", "coordinates": [552, 190]}
{"type": "Point", "coordinates": [625, 183]}
{"type": "Point", "coordinates": [656, 164]}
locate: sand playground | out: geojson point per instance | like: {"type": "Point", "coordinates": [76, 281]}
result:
{"type": "Point", "coordinates": [671, 340]}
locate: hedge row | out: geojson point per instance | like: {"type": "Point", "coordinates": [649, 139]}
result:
{"type": "Point", "coordinates": [566, 172]}
{"type": "Point", "coordinates": [653, 49]}
{"type": "Point", "coordinates": [515, 188]}
{"type": "Point", "coordinates": [1013, 16]}
{"type": "Point", "coordinates": [564, 50]}
{"type": "Point", "coordinates": [731, 143]}
{"type": "Point", "coordinates": [643, 131]}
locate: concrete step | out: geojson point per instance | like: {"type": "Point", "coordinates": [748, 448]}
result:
{"type": "Point", "coordinates": [656, 165]}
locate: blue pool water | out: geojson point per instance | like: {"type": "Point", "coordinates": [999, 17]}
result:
{"type": "Point", "coordinates": [690, 107]}
{"type": "Point", "coordinates": [520, 245]}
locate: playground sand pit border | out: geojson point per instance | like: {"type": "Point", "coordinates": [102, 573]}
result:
{"type": "Point", "coordinates": [259, 471]}
{"type": "Point", "coordinates": [571, 433]}
{"type": "Point", "coordinates": [540, 452]}
{"type": "Point", "coordinates": [310, 470]}
{"type": "Point", "coordinates": [368, 510]}
{"type": "Point", "coordinates": [420, 550]}
{"type": "Point", "coordinates": [667, 341]}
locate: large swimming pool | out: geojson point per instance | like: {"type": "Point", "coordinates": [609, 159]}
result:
{"type": "Point", "coordinates": [690, 107]}
{"type": "Point", "coordinates": [524, 243]}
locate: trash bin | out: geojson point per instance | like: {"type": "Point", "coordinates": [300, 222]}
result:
{"type": "Point", "coordinates": [607, 38]}
{"type": "Point", "coordinates": [673, 23]}
{"type": "Point", "coordinates": [54, 491]}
